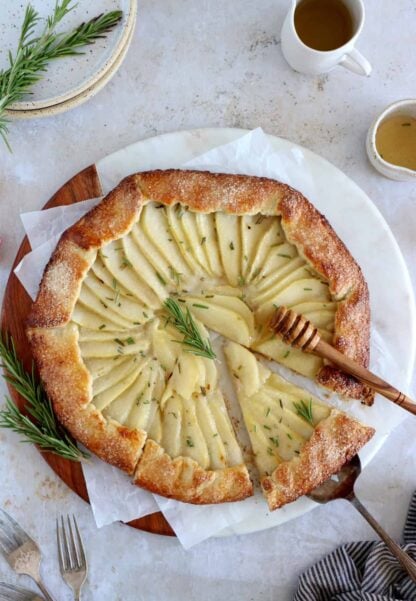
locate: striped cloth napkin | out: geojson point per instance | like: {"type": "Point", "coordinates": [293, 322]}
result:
{"type": "Point", "coordinates": [363, 571]}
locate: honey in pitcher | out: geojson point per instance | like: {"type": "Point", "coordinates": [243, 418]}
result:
{"type": "Point", "coordinates": [323, 24]}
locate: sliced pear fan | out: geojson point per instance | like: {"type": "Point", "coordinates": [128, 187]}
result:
{"type": "Point", "coordinates": [229, 271]}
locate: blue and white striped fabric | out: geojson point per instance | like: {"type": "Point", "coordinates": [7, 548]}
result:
{"type": "Point", "coordinates": [363, 571]}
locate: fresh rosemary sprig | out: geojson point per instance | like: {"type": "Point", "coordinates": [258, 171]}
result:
{"type": "Point", "coordinates": [304, 410]}
{"type": "Point", "coordinates": [184, 322]}
{"type": "Point", "coordinates": [34, 52]}
{"type": "Point", "coordinates": [47, 433]}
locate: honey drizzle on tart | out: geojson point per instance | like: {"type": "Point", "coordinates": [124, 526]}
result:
{"type": "Point", "coordinates": [229, 270]}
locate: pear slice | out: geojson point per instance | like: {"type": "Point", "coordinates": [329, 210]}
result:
{"type": "Point", "coordinates": [274, 348]}
{"type": "Point", "coordinates": [278, 257]}
{"type": "Point", "coordinates": [324, 320]}
{"type": "Point", "coordinates": [229, 240]}
{"type": "Point", "coordinates": [276, 269]}
{"type": "Point", "coordinates": [210, 376]}
{"type": "Point", "coordinates": [272, 291]}
{"type": "Point", "coordinates": [321, 315]}
{"type": "Point", "coordinates": [298, 291]}
{"type": "Point", "coordinates": [85, 317]}
{"type": "Point", "coordinates": [155, 259]}
{"type": "Point", "coordinates": [261, 245]}
{"type": "Point", "coordinates": [105, 277]}
{"type": "Point", "coordinates": [253, 229]}
{"type": "Point", "coordinates": [145, 397]}
{"type": "Point", "coordinates": [309, 307]}
{"type": "Point", "coordinates": [166, 352]}
{"type": "Point", "coordinates": [245, 368]}
{"type": "Point", "coordinates": [217, 429]}
{"type": "Point", "coordinates": [233, 303]}
{"type": "Point", "coordinates": [226, 321]}
{"type": "Point", "coordinates": [156, 227]}
{"type": "Point", "coordinates": [102, 400]}
{"type": "Point", "coordinates": [222, 290]}
{"type": "Point", "coordinates": [215, 445]}
{"type": "Point", "coordinates": [112, 348]}
{"type": "Point", "coordinates": [90, 335]}
{"type": "Point", "coordinates": [185, 377]}
{"type": "Point", "coordinates": [174, 217]}
{"type": "Point", "coordinates": [172, 417]}
{"type": "Point", "coordinates": [193, 440]}
{"type": "Point", "coordinates": [133, 407]}
{"type": "Point", "coordinates": [144, 270]}
{"type": "Point", "coordinates": [101, 308]}
{"type": "Point", "coordinates": [125, 306]}
{"type": "Point", "coordinates": [101, 367]}
{"type": "Point", "coordinates": [205, 224]}
{"type": "Point", "coordinates": [155, 430]}
{"type": "Point", "coordinates": [121, 268]}
{"type": "Point", "coordinates": [194, 242]}
{"type": "Point", "coordinates": [121, 369]}
{"type": "Point", "coordinates": [225, 429]}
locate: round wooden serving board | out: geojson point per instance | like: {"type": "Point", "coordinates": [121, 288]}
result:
{"type": "Point", "coordinates": [16, 307]}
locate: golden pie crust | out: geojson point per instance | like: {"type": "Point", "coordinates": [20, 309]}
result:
{"type": "Point", "coordinates": [182, 478]}
{"type": "Point", "coordinates": [54, 339]}
{"type": "Point", "coordinates": [333, 443]}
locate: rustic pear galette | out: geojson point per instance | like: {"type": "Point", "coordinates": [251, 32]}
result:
{"type": "Point", "coordinates": [124, 323]}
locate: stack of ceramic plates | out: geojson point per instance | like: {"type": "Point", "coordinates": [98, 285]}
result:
{"type": "Point", "coordinates": [70, 81]}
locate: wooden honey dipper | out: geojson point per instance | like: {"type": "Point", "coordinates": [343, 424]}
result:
{"type": "Point", "coordinates": [297, 331]}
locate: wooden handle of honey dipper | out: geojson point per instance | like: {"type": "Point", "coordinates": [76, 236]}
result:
{"type": "Point", "coordinates": [297, 331]}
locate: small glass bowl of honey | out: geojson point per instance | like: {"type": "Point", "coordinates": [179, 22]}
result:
{"type": "Point", "coordinates": [391, 141]}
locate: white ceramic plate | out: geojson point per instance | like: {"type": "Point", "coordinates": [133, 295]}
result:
{"type": "Point", "coordinates": [358, 223]}
{"type": "Point", "coordinates": [69, 77]}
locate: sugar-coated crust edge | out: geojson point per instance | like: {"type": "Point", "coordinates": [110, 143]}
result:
{"type": "Point", "coordinates": [317, 242]}
{"type": "Point", "coordinates": [68, 384]}
{"type": "Point", "coordinates": [60, 285]}
{"type": "Point", "coordinates": [184, 480]}
{"type": "Point", "coordinates": [76, 252]}
{"type": "Point", "coordinates": [333, 443]}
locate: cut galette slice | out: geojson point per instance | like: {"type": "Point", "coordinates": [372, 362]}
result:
{"type": "Point", "coordinates": [298, 441]}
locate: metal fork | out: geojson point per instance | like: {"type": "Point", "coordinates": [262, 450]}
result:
{"type": "Point", "coordinates": [20, 551]}
{"type": "Point", "coordinates": [72, 560]}
{"type": "Point", "coordinates": [10, 592]}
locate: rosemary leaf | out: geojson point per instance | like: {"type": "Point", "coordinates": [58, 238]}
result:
{"type": "Point", "coordinates": [35, 50]}
{"type": "Point", "coordinates": [184, 322]}
{"type": "Point", "coordinates": [304, 410]}
{"type": "Point", "coordinates": [45, 432]}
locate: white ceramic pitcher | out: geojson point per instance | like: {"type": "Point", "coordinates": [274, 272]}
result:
{"type": "Point", "coordinates": [304, 59]}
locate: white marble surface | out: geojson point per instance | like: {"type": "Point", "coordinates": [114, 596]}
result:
{"type": "Point", "coordinates": [196, 64]}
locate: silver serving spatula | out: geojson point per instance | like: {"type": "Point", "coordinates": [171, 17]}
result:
{"type": "Point", "coordinates": [341, 486]}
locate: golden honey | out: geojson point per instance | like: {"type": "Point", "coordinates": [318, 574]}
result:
{"type": "Point", "coordinates": [396, 141]}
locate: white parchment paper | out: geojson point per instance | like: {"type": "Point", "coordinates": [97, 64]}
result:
{"type": "Point", "coordinates": [112, 495]}
{"type": "Point", "coordinates": [43, 229]}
